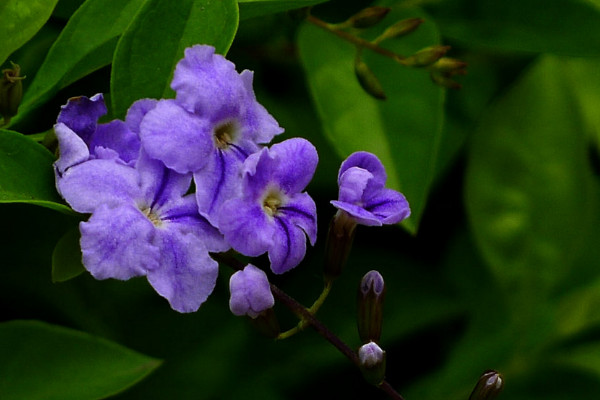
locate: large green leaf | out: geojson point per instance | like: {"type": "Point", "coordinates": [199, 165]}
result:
{"type": "Point", "coordinates": [255, 8]}
{"type": "Point", "coordinates": [151, 47]}
{"type": "Point", "coordinates": [46, 362]}
{"type": "Point", "coordinates": [402, 131]}
{"type": "Point", "coordinates": [26, 173]}
{"type": "Point", "coordinates": [529, 188]}
{"type": "Point", "coordinates": [19, 21]}
{"type": "Point", "coordinates": [568, 27]}
{"type": "Point", "coordinates": [86, 44]}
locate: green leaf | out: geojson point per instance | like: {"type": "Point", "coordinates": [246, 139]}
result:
{"type": "Point", "coordinates": [26, 174]}
{"type": "Point", "coordinates": [402, 131]}
{"type": "Point", "coordinates": [86, 44]}
{"type": "Point", "coordinates": [153, 44]}
{"type": "Point", "coordinates": [66, 257]}
{"type": "Point", "coordinates": [584, 357]}
{"type": "Point", "coordinates": [19, 21]}
{"type": "Point", "coordinates": [47, 362]}
{"type": "Point", "coordinates": [568, 27]}
{"type": "Point", "coordinates": [530, 192]}
{"type": "Point", "coordinates": [256, 8]}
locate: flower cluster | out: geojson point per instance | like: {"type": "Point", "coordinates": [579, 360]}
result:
{"type": "Point", "coordinates": [181, 178]}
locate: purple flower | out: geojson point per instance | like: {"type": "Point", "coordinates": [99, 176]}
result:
{"type": "Point", "coordinates": [271, 214]}
{"type": "Point", "coordinates": [363, 194]}
{"type": "Point", "coordinates": [211, 126]}
{"type": "Point", "coordinates": [143, 223]}
{"type": "Point", "coordinates": [81, 138]}
{"type": "Point", "coordinates": [250, 292]}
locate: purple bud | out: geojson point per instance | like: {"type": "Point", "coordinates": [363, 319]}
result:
{"type": "Point", "coordinates": [250, 292]}
{"type": "Point", "coordinates": [370, 306]}
{"type": "Point", "coordinates": [372, 362]}
{"type": "Point", "coordinates": [488, 387]}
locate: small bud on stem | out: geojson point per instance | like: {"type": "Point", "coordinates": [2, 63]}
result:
{"type": "Point", "coordinates": [488, 387]}
{"type": "Point", "coordinates": [372, 363]}
{"type": "Point", "coordinates": [399, 29]}
{"type": "Point", "coordinates": [339, 242]}
{"type": "Point", "coordinates": [11, 92]}
{"type": "Point", "coordinates": [368, 17]}
{"type": "Point", "coordinates": [367, 79]}
{"type": "Point", "coordinates": [371, 293]}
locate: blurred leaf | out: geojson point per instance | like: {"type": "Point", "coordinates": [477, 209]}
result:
{"type": "Point", "coordinates": [568, 27]}
{"type": "Point", "coordinates": [46, 362]}
{"type": "Point", "coordinates": [66, 257]}
{"type": "Point", "coordinates": [86, 44]}
{"type": "Point", "coordinates": [402, 131]}
{"type": "Point", "coordinates": [584, 357]}
{"type": "Point", "coordinates": [153, 44]}
{"type": "Point", "coordinates": [19, 21]}
{"type": "Point", "coordinates": [256, 8]}
{"type": "Point", "coordinates": [529, 187]}
{"type": "Point", "coordinates": [26, 174]}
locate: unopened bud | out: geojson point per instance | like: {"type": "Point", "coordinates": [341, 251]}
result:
{"type": "Point", "coordinates": [488, 387]}
{"type": "Point", "coordinates": [427, 56]}
{"type": "Point", "coordinates": [367, 79]}
{"type": "Point", "coordinates": [371, 360]}
{"type": "Point", "coordinates": [368, 17]}
{"type": "Point", "coordinates": [400, 28]}
{"type": "Point", "coordinates": [339, 242]}
{"type": "Point", "coordinates": [11, 92]}
{"type": "Point", "coordinates": [370, 306]}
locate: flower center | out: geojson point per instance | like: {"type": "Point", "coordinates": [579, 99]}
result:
{"type": "Point", "coordinates": [224, 134]}
{"type": "Point", "coordinates": [152, 216]}
{"type": "Point", "coordinates": [271, 203]}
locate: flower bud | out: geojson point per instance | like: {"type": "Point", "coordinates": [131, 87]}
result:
{"type": "Point", "coordinates": [370, 306]}
{"type": "Point", "coordinates": [11, 92]}
{"type": "Point", "coordinates": [339, 242]}
{"type": "Point", "coordinates": [371, 360]}
{"type": "Point", "coordinates": [427, 56]}
{"type": "Point", "coordinates": [488, 387]}
{"type": "Point", "coordinates": [367, 79]}
{"type": "Point", "coordinates": [400, 28]}
{"type": "Point", "coordinates": [250, 292]}
{"type": "Point", "coordinates": [368, 17]}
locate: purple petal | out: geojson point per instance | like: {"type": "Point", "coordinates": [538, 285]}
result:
{"type": "Point", "coordinates": [288, 246]}
{"type": "Point", "coordinates": [81, 114]}
{"type": "Point", "coordinates": [73, 150]}
{"type": "Point", "coordinates": [250, 292]}
{"type": "Point", "coordinates": [296, 164]}
{"type": "Point", "coordinates": [95, 182]}
{"type": "Point", "coordinates": [389, 206]}
{"type": "Point", "coordinates": [246, 227]}
{"type": "Point", "coordinates": [361, 215]}
{"type": "Point", "coordinates": [301, 211]}
{"type": "Point", "coordinates": [117, 243]}
{"type": "Point", "coordinates": [179, 139]}
{"type": "Point", "coordinates": [368, 161]}
{"type": "Point", "coordinates": [159, 183]}
{"type": "Point", "coordinates": [137, 112]}
{"type": "Point", "coordinates": [353, 183]}
{"type": "Point", "coordinates": [116, 136]}
{"type": "Point", "coordinates": [186, 275]}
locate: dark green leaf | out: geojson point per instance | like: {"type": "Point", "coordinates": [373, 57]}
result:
{"type": "Point", "coordinates": [26, 174]}
{"type": "Point", "coordinates": [19, 21]}
{"type": "Point", "coordinates": [568, 27]}
{"type": "Point", "coordinates": [255, 8]}
{"type": "Point", "coordinates": [66, 258]}
{"type": "Point", "coordinates": [153, 44]}
{"type": "Point", "coordinates": [86, 44]}
{"type": "Point", "coordinates": [402, 131]}
{"type": "Point", "coordinates": [46, 362]}
{"type": "Point", "coordinates": [529, 187]}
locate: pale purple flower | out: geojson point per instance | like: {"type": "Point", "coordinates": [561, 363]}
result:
{"type": "Point", "coordinates": [363, 195]}
{"type": "Point", "coordinates": [250, 292]}
{"type": "Point", "coordinates": [210, 128]}
{"type": "Point", "coordinates": [272, 214]}
{"type": "Point", "coordinates": [143, 223]}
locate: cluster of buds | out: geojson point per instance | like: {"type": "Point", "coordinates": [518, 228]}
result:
{"type": "Point", "coordinates": [11, 92]}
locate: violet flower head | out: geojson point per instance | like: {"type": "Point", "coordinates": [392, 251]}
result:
{"type": "Point", "coordinates": [363, 194]}
{"type": "Point", "coordinates": [272, 214]}
{"type": "Point", "coordinates": [143, 224]}
{"type": "Point", "coordinates": [250, 292]}
{"type": "Point", "coordinates": [210, 128]}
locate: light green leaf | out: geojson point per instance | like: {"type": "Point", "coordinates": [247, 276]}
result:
{"type": "Point", "coordinates": [148, 52]}
{"type": "Point", "coordinates": [66, 257]}
{"type": "Point", "coordinates": [402, 131]}
{"type": "Point", "coordinates": [529, 188]}
{"type": "Point", "coordinates": [19, 21]}
{"type": "Point", "coordinates": [567, 27]}
{"type": "Point", "coordinates": [256, 8]}
{"type": "Point", "coordinates": [26, 174]}
{"type": "Point", "coordinates": [86, 44]}
{"type": "Point", "coordinates": [47, 362]}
